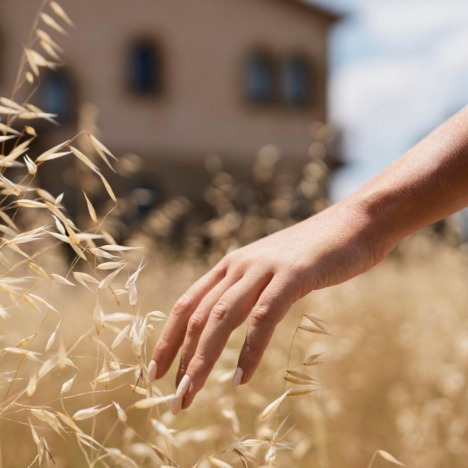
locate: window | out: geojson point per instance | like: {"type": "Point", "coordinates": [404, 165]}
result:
{"type": "Point", "coordinates": [295, 82]}
{"type": "Point", "coordinates": [144, 68]}
{"type": "Point", "coordinates": [259, 78]}
{"type": "Point", "coordinates": [56, 95]}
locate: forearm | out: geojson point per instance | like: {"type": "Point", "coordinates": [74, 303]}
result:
{"type": "Point", "coordinates": [425, 185]}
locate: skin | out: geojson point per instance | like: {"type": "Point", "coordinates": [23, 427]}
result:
{"type": "Point", "coordinates": [265, 278]}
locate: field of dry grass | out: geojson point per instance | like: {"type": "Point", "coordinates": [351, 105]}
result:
{"type": "Point", "coordinates": [394, 376]}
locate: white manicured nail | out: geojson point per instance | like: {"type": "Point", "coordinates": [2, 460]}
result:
{"type": "Point", "coordinates": [152, 370]}
{"type": "Point", "coordinates": [236, 380]}
{"type": "Point", "coordinates": [180, 392]}
{"type": "Point", "coordinates": [183, 386]}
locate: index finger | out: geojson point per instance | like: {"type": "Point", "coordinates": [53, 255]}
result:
{"type": "Point", "coordinates": [173, 334]}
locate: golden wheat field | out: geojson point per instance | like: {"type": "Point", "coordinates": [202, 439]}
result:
{"type": "Point", "coordinates": [371, 373]}
{"type": "Point", "coordinates": [393, 378]}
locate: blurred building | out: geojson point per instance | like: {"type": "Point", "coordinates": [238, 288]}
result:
{"type": "Point", "coordinates": [177, 81]}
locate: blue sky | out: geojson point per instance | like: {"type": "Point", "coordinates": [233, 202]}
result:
{"type": "Point", "coordinates": [398, 69]}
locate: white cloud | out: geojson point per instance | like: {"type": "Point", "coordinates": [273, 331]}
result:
{"type": "Point", "coordinates": [388, 99]}
{"type": "Point", "coordinates": [415, 22]}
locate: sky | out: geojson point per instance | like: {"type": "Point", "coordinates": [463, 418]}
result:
{"type": "Point", "coordinates": [398, 69]}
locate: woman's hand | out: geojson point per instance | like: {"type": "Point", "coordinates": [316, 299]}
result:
{"type": "Point", "coordinates": [427, 184]}
{"type": "Point", "coordinates": [266, 277]}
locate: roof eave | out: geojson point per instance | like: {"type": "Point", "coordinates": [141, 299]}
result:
{"type": "Point", "coordinates": [329, 15]}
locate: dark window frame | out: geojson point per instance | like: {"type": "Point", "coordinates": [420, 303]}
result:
{"type": "Point", "coordinates": [290, 92]}
{"type": "Point", "coordinates": [66, 95]}
{"type": "Point", "coordinates": [260, 61]}
{"type": "Point", "coordinates": [145, 67]}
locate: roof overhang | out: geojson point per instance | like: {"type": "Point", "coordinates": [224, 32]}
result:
{"type": "Point", "coordinates": [312, 8]}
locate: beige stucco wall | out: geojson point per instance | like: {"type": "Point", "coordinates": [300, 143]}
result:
{"type": "Point", "coordinates": [205, 42]}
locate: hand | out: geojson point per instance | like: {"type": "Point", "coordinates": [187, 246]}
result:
{"type": "Point", "coordinates": [266, 277]}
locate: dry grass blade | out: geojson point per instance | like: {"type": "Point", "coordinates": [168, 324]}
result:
{"type": "Point", "coordinates": [82, 278]}
{"type": "Point", "coordinates": [152, 401]}
{"type": "Point", "coordinates": [297, 380]}
{"type": "Point", "coordinates": [67, 385]}
{"type": "Point", "coordinates": [31, 355]}
{"type": "Point", "coordinates": [53, 150]}
{"type": "Point", "coordinates": [120, 337]}
{"type": "Point", "coordinates": [107, 281]}
{"type": "Point", "coordinates": [33, 66]}
{"type": "Point", "coordinates": [314, 330]}
{"type": "Point", "coordinates": [101, 149]}
{"type": "Point", "coordinates": [10, 103]}
{"type": "Point", "coordinates": [218, 462]}
{"type": "Point", "coordinates": [6, 138]}
{"type": "Point", "coordinates": [301, 375]}
{"type": "Point", "coordinates": [41, 301]}
{"type": "Point", "coordinates": [108, 187]}
{"type": "Point", "coordinates": [34, 433]}
{"type": "Point", "coordinates": [13, 188]}
{"type": "Point", "coordinates": [48, 365]}
{"type": "Point", "coordinates": [311, 359]}
{"type": "Point", "coordinates": [107, 376]}
{"type": "Point", "coordinates": [85, 159]}
{"type": "Point", "coordinates": [39, 61]}
{"type": "Point", "coordinates": [49, 50]}
{"type": "Point", "coordinates": [110, 265]}
{"type": "Point", "coordinates": [45, 38]}
{"type": "Point", "coordinates": [319, 322]}
{"type": "Point", "coordinates": [270, 409]}
{"type": "Point", "coordinates": [118, 248]}
{"type": "Point", "coordinates": [53, 24]}
{"type": "Point", "coordinates": [31, 165]}
{"type": "Point", "coordinates": [89, 412]}
{"type": "Point", "coordinates": [30, 204]}
{"type": "Point", "coordinates": [389, 458]}
{"type": "Point", "coordinates": [60, 12]}
{"type": "Point", "coordinates": [51, 339]}
{"type": "Point", "coordinates": [7, 129]}
{"type": "Point", "coordinates": [61, 279]}
{"type": "Point", "coordinates": [120, 412]}
{"type": "Point", "coordinates": [8, 111]}
{"type": "Point", "coordinates": [24, 341]}
{"type": "Point", "coordinates": [92, 211]}
{"type": "Point", "coordinates": [253, 442]}
{"type": "Point", "coordinates": [138, 390]}
{"type": "Point", "coordinates": [296, 393]}
{"type": "Point", "coordinates": [49, 418]}
{"type": "Point", "coordinates": [157, 315]}
{"type": "Point", "coordinates": [69, 422]}
{"type": "Point", "coordinates": [32, 386]}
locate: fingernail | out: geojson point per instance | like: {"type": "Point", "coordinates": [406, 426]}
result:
{"type": "Point", "coordinates": [237, 379]}
{"type": "Point", "coordinates": [180, 392]}
{"type": "Point", "coordinates": [152, 370]}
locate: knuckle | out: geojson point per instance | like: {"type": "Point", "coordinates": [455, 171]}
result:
{"type": "Point", "coordinates": [162, 344]}
{"type": "Point", "coordinates": [249, 349]}
{"type": "Point", "coordinates": [231, 257]}
{"type": "Point", "coordinates": [181, 306]}
{"type": "Point", "coordinates": [200, 360]}
{"type": "Point", "coordinates": [195, 324]}
{"type": "Point", "coordinates": [219, 312]}
{"type": "Point", "coordinates": [262, 314]}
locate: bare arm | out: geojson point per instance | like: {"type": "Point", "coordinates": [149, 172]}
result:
{"type": "Point", "coordinates": [425, 185]}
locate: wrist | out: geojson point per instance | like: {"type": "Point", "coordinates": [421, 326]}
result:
{"type": "Point", "coordinates": [374, 223]}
